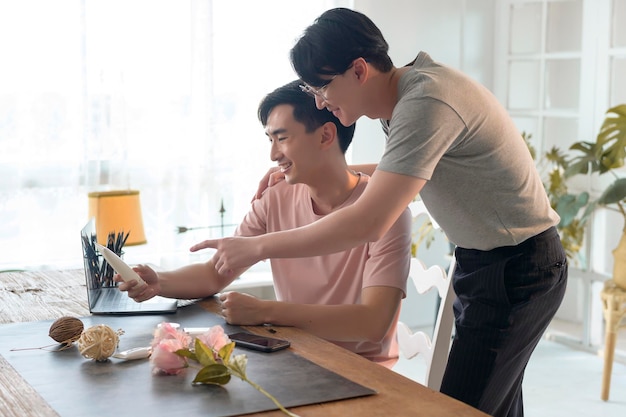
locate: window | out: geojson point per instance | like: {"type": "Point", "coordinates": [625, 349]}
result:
{"type": "Point", "coordinates": [561, 65]}
{"type": "Point", "coordinates": [543, 68]}
{"type": "Point", "coordinates": [154, 95]}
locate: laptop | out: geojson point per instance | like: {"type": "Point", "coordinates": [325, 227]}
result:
{"type": "Point", "coordinates": [103, 295]}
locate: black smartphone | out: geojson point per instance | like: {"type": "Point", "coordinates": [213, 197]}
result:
{"type": "Point", "coordinates": [260, 343]}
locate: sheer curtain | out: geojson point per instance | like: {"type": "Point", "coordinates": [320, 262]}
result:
{"type": "Point", "coordinates": [154, 95]}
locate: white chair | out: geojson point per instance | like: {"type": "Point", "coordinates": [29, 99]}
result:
{"type": "Point", "coordinates": [434, 350]}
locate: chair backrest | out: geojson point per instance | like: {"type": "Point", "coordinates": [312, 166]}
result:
{"type": "Point", "coordinates": [434, 350]}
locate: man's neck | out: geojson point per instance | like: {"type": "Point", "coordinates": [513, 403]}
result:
{"type": "Point", "coordinates": [384, 93]}
{"type": "Point", "coordinates": [333, 190]}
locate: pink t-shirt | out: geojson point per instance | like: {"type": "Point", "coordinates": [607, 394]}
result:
{"type": "Point", "coordinates": [336, 278]}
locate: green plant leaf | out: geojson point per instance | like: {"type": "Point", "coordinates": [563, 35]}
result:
{"type": "Point", "coordinates": [226, 351]}
{"type": "Point", "coordinates": [204, 354]}
{"type": "Point", "coordinates": [556, 185]}
{"type": "Point", "coordinates": [615, 193]}
{"type": "Point", "coordinates": [186, 353]}
{"type": "Point", "coordinates": [612, 138]}
{"type": "Point", "coordinates": [587, 162]}
{"type": "Point", "coordinates": [569, 205]}
{"type": "Point", "coordinates": [607, 153]}
{"type": "Point", "coordinates": [591, 207]}
{"type": "Point", "coordinates": [215, 373]}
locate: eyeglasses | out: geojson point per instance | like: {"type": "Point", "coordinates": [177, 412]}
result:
{"type": "Point", "coordinates": [319, 91]}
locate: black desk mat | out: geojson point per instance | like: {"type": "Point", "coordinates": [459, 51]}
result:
{"type": "Point", "coordinates": [75, 386]}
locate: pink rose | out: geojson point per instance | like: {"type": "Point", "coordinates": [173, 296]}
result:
{"type": "Point", "coordinates": [165, 360]}
{"type": "Point", "coordinates": [166, 331]}
{"type": "Point", "coordinates": [215, 338]}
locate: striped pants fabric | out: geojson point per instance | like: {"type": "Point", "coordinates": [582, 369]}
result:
{"type": "Point", "coordinates": [506, 297]}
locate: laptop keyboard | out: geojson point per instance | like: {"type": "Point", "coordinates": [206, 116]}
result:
{"type": "Point", "coordinates": [117, 301]}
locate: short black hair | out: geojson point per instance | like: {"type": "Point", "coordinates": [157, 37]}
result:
{"type": "Point", "coordinates": [334, 40]}
{"type": "Point", "coordinates": [304, 111]}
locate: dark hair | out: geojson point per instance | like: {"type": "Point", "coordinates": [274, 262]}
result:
{"type": "Point", "coordinates": [304, 111]}
{"type": "Point", "coordinates": [334, 41]}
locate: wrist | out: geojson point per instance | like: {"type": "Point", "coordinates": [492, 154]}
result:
{"type": "Point", "coordinates": [270, 315]}
{"type": "Point", "coordinates": [260, 248]}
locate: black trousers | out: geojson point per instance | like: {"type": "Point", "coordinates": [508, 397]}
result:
{"type": "Point", "coordinates": [506, 297]}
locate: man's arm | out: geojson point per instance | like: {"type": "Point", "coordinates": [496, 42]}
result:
{"type": "Point", "coordinates": [194, 281]}
{"type": "Point", "coordinates": [369, 320]}
{"type": "Point", "coordinates": [191, 281]}
{"type": "Point", "coordinates": [386, 196]}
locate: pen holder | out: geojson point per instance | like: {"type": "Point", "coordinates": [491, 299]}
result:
{"type": "Point", "coordinates": [101, 273]}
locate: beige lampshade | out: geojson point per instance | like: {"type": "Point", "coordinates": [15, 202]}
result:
{"type": "Point", "coordinates": [115, 212]}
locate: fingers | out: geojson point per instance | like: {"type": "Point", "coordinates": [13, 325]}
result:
{"type": "Point", "coordinates": [126, 286]}
{"type": "Point", "coordinates": [221, 267]}
{"type": "Point", "coordinates": [136, 292]}
{"type": "Point", "coordinates": [223, 297]}
{"type": "Point", "coordinates": [144, 295]}
{"type": "Point", "coordinates": [205, 244]}
{"type": "Point", "coordinates": [275, 178]}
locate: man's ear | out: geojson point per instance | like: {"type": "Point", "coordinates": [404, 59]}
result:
{"type": "Point", "coordinates": [329, 135]}
{"type": "Point", "coordinates": [361, 69]}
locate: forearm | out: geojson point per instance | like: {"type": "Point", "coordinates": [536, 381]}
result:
{"type": "Point", "coordinates": [345, 323]}
{"type": "Point", "coordinates": [369, 218]}
{"type": "Point", "coordinates": [336, 232]}
{"type": "Point", "coordinates": [341, 323]}
{"type": "Point", "coordinates": [192, 281]}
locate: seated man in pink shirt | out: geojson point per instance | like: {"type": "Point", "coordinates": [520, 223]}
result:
{"type": "Point", "coordinates": [350, 298]}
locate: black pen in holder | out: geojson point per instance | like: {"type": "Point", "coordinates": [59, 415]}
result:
{"type": "Point", "coordinates": [101, 273]}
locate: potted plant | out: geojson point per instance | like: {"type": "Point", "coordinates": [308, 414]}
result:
{"type": "Point", "coordinates": [601, 157]}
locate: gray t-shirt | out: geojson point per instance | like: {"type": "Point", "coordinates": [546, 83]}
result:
{"type": "Point", "coordinates": [483, 187]}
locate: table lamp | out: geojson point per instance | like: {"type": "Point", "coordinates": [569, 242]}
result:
{"type": "Point", "coordinates": [117, 211]}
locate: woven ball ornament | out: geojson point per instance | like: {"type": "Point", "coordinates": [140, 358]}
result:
{"type": "Point", "coordinates": [66, 330]}
{"type": "Point", "coordinates": [98, 342]}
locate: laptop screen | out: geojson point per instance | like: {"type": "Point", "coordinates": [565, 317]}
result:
{"type": "Point", "coordinates": [102, 293]}
{"type": "Point", "coordinates": [91, 261]}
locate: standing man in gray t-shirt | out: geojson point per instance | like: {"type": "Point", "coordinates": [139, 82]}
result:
{"type": "Point", "coordinates": [451, 142]}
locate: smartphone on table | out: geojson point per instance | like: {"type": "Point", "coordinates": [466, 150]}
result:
{"type": "Point", "coordinates": [260, 343]}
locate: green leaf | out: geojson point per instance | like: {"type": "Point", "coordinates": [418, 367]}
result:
{"type": "Point", "coordinates": [569, 205]}
{"type": "Point", "coordinates": [215, 373]}
{"type": "Point", "coordinates": [612, 138]}
{"type": "Point", "coordinates": [226, 351]}
{"type": "Point", "coordinates": [591, 207]}
{"type": "Point", "coordinates": [607, 153]}
{"type": "Point", "coordinates": [614, 193]}
{"type": "Point", "coordinates": [556, 184]}
{"type": "Point", "coordinates": [204, 354]}
{"type": "Point", "coordinates": [186, 353]}
{"type": "Point", "coordinates": [588, 161]}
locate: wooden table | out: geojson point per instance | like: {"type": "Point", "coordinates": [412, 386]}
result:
{"type": "Point", "coordinates": [47, 295]}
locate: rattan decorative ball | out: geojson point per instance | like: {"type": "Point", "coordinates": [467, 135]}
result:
{"type": "Point", "coordinates": [66, 330]}
{"type": "Point", "coordinates": [98, 342]}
